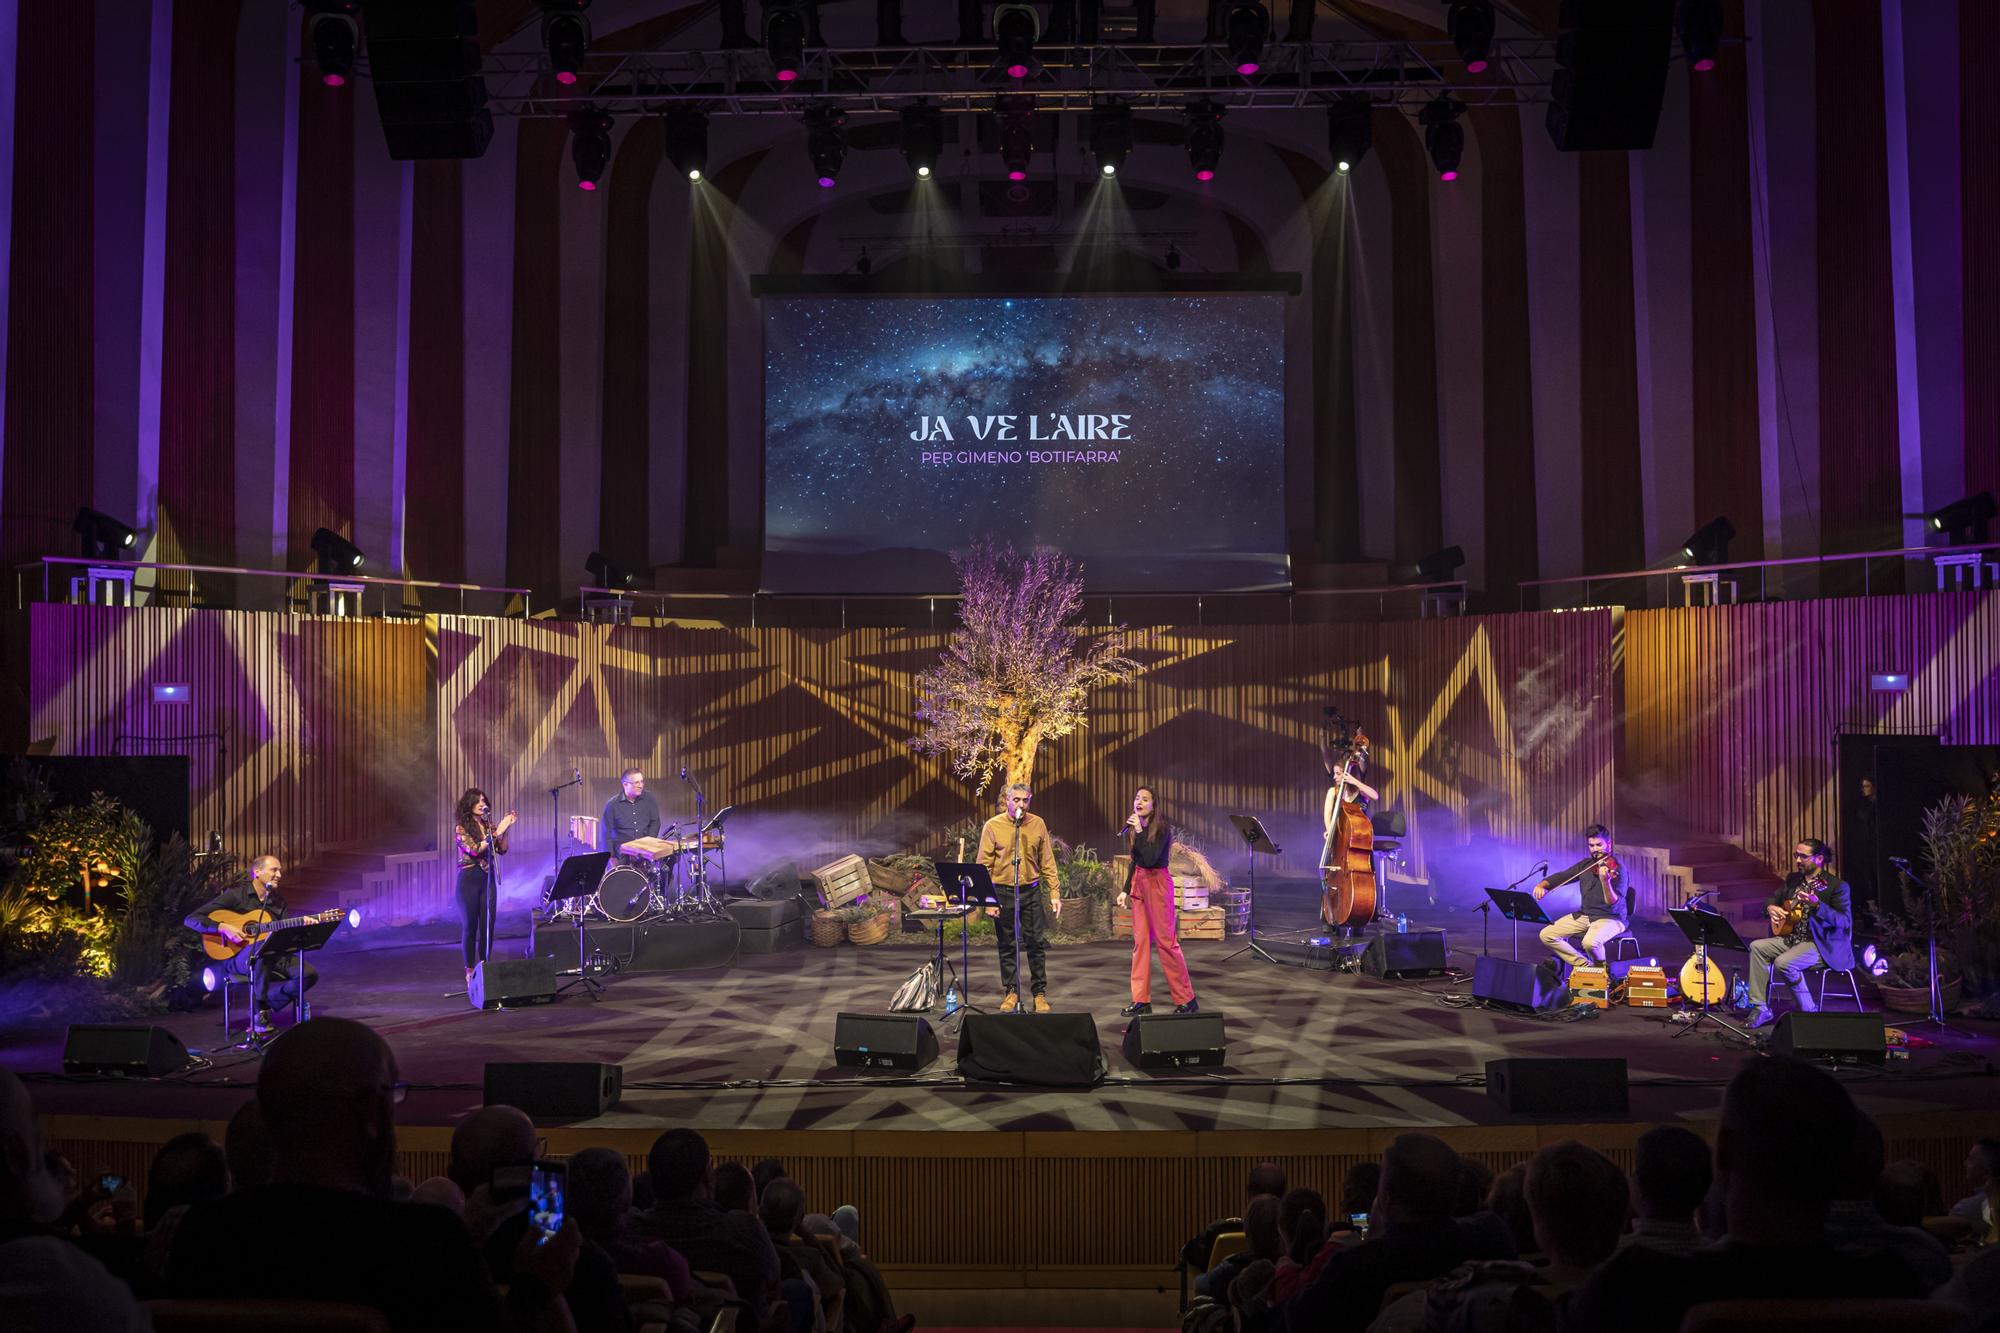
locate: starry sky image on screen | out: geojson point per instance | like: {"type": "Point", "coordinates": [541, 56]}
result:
{"type": "Point", "coordinates": [1193, 500]}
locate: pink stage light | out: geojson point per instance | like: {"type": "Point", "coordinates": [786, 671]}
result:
{"type": "Point", "coordinates": [787, 75]}
{"type": "Point", "coordinates": [826, 182]}
{"type": "Point", "coordinates": [586, 185]}
{"type": "Point", "coordinates": [1017, 71]}
{"type": "Point", "coordinates": [1447, 175]}
{"type": "Point", "coordinates": [1475, 67]}
{"type": "Point", "coordinates": [1705, 64]}
{"type": "Point", "coordinates": [565, 77]}
{"type": "Point", "coordinates": [333, 80]}
{"type": "Point", "coordinates": [1204, 175]}
{"type": "Point", "coordinates": [1017, 175]}
{"type": "Point", "coordinates": [1247, 67]}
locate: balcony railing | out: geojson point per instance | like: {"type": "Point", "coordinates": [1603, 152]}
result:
{"type": "Point", "coordinates": [1858, 573]}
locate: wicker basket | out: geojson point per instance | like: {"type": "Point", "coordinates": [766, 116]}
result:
{"type": "Point", "coordinates": [827, 929]}
{"type": "Point", "coordinates": [887, 879]}
{"type": "Point", "coordinates": [869, 930]}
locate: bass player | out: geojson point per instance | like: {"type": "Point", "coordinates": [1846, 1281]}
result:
{"type": "Point", "coordinates": [258, 894]}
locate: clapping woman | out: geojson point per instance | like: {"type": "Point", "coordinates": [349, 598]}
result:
{"type": "Point", "coordinates": [1149, 889]}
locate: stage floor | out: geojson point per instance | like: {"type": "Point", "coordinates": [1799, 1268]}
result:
{"type": "Point", "coordinates": [750, 1047]}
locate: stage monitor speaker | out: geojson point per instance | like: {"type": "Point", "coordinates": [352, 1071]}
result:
{"type": "Point", "coordinates": [1534, 1087]}
{"type": "Point", "coordinates": [509, 983]}
{"type": "Point", "coordinates": [1417, 953]}
{"type": "Point", "coordinates": [424, 64]}
{"type": "Point", "coordinates": [1528, 988]}
{"type": "Point", "coordinates": [126, 1050]}
{"type": "Point", "coordinates": [1611, 75]}
{"type": "Point", "coordinates": [555, 1089]}
{"type": "Point", "coordinates": [1175, 1041]}
{"type": "Point", "coordinates": [781, 883]}
{"type": "Point", "coordinates": [1845, 1039]}
{"type": "Point", "coordinates": [1044, 1050]}
{"type": "Point", "coordinates": [883, 1041]}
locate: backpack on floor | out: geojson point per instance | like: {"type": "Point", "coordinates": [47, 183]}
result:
{"type": "Point", "coordinates": [918, 992]}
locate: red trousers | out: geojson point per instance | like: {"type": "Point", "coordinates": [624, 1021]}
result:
{"type": "Point", "coordinates": [1153, 930]}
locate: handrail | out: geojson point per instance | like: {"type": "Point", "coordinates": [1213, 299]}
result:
{"type": "Point", "coordinates": [1786, 562]}
{"type": "Point", "coordinates": [372, 580]}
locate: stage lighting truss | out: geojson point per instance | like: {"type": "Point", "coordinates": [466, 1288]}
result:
{"type": "Point", "coordinates": [565, 37]}
{"type": "Point", "coordinates": [1470, 26]}
{"type": "Point", "coordinates": [1110, 136]}
{"type": "Point", "coordinates": [785, 38]}
{"type": "Point", "coordinates": [1017, 135]}
{"type": "Point", "coordinates": [826, 143]}
{"type": "Point", "coordinates": [1246, 30]}
{"type": "Point", "coordinates": [335, 37]}
{"type": "Point", "coordinates": [1016, 29]}
{"type": "Point", "coordinates": [1350, 130]}
{"type": "Point", "coordinates": [1444, 137]}
{"type": "Point", "coordinates": [1699, 23]}
{"type": "Point", "coordinates": [589, 145]}
{"type": "Point", "coordinates": [687, 141]}
{"type": "Point", "coordinates": [1204, 139]}
{"type": "Point", "coordinates": [921, 132]}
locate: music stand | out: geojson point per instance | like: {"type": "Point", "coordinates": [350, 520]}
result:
{"type": "Point", "coordinates": [1708, 931]}
{"type": "Point", "coordinates": [1517, 905]}
{"type": "Point", "coordinates": [1256, 840]}
{"type": "Point", "coordinates": [577, 879]}
{"type": "Point", "coordinates": [966, 887]}
{"type": "Point", "coordinates": [299, 941]}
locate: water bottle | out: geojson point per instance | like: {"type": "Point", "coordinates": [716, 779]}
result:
{"type": "Point", "coordinates": [1402, 923]}
{"type": "Point", "coordinates": [950, 1001]}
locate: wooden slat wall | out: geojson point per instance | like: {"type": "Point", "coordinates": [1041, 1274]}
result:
{"type": "Point", "coordinates": [1733, 713]}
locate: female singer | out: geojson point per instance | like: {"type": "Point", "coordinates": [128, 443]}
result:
{"type": "Point", "coordinates": [478, 841]}
{"type": "Point", "coordinates": [1149, 888]}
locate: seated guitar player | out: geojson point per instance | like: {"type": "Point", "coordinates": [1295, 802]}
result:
{"type": "Point", "coordinates": [267, 973]}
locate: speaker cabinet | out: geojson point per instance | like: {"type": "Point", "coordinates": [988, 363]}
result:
{"type": "Point", "coordinates": [1612, 60]}
{"type": "Point", "coordinates": [1845, 1039]}
{"type": "Point", "coordinates": [1527, 988]}
{"type": "Point", "coordinates": [555, 1089]}
{"type": "Point", "coordinates": [1043, 1050]}
{"type": "Point", "coordinates": [1419, 953]}
{"type": "Point", "coordinates": [1538, 1087]}
{"type": "Point", "coordinates": [509, 983]}
{"type": "Point", "coordinates": [125, 1050]}
{"type": "Point", "coordinates": [883, 1041]}
{"type": "Point", "coordinates": [425, 69]}
{"type": "Point", "coordinates": [1175, 1041]}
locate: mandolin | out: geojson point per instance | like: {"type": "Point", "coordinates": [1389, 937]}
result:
{"type": "Point", "coordinates": [253, 926]}
{"type": "Point", "coordinates": [1702, 982]}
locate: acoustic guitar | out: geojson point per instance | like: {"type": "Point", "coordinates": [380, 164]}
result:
{"type": "Point", "coordinates": [253, 926]}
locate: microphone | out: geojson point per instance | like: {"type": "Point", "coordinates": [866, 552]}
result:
{"type": "Point", "coordinates": [576, 775]}
{"type": "Point", "coordinates": [1903, 861]}
{"type": "Point", "coordinates": [684, 772]}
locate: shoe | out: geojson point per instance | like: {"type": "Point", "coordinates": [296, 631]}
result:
{"type": "Point", "coordinates": [1042, 1005]}
{"type": "Point", "coordinates": [1137, 1007]}
{"type": "Point", "coordinates": [1760, 1017]}
{"type": "Point", "coordinates": [1011, 1003]}
{"type": "Point", "coordinates": [1193, 1006]}
{"type": "Point", "coordinates": [262, 1022]}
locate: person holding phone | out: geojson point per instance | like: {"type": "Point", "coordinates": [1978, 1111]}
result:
{"type": "Point", "coordinates": [1149, 890]}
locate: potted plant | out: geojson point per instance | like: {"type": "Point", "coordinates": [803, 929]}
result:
{"type": "Point", "coordinates": [867, 922]}
{"type": "Point", "coordinates": [1900, 962]}
{"type": "Point", "coordinates": [1958, 905]}
{"type": "Point", "coordinates": [1087, 888]}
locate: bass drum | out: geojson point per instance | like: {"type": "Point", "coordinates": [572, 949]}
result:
{"type": "Point", "coordinates": [625, 894]}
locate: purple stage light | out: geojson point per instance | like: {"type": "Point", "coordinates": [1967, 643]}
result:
{"type": "Point", "coordinates": [1017, 175]}
{"type": "Point", "coordinates": [1204, 175]}
{"type": "Point", "coordinates": [565, 77]}
{"type": "Point", "coordinates": [787, 75]}
{"type": "Point", "coordinates": [1705, 64]}
{"type": "Point", "coordinates": [1017, 71]}
{"type": "Point", "coordinates": [826, 182]}
{"type": "Point", "coordinates": [1475, 67]}
{"type": "Point", "coordinates": [333, 80]}
{"type": "Point", "coordinates": [586, 185]}
{"type": "Point", "coordinates": [1247, 67]}
{"type": "Point", "coordinates": [1447, 175]}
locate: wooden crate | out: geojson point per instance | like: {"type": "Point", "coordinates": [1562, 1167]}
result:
{"type": "Point", "coordinates": [1190, 899]}
{"type": "Point", "coordinates": [1203, 924]}
{"type": "Point", "coordinates": [841, 882]}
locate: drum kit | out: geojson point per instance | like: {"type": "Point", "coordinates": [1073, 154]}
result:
{"type": "Point", "coordinates": [664, 878]}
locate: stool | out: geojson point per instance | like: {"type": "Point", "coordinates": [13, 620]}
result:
{"type": "Point", "coordinates": [1442, 602]}
{"type": "Point", "coordinates": [601, 610]}
{"type": "Point", "coordinates": [1976, 563]}
{"type": "Point", "coordinates": [339, 599]}
{"type": "Point", "coordinates": [1853, 989]}
{"type": "Point", "coordinates": [110, 586]}
{"type": "Point", "coordinates": [1618, 947]}
{"type": "Point", "coordinates": [1712, 584]}
{"type": "Point", "coordinates": [226, 976]}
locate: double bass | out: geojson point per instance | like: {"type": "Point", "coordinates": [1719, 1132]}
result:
{"type": "Point", "coordinates": [1347, 866]}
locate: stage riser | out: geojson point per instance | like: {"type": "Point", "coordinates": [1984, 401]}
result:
{"type": "Point", "coordinates": [657, 946]}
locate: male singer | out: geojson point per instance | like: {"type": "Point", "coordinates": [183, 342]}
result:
{"type": "Point", "coordinates": [631, 813]}
{"type": "Point", "coordinates": [1016, 850]}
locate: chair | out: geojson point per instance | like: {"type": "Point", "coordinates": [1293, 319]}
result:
{"type": "Point", "coordinates": [1617, 952]}
{"type": "Point", "coordinates": [1853, 989]}
{"type": "Point", "coordinates": [1821, 1316]}
{"type": "Point", "coordinates": [227, 1316]}
{"type": "Point", "coordinates": [639, 1288]}
{"type": "Point", "coordinates": [1226, 1244]}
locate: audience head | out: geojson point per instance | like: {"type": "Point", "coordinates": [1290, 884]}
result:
{"type": "Point", "coordinates": [1508, 1200]}
{"type": "Point", "coordinates": [1266, 1178]}
{"type": "Point", "coordinates": [599, 1190]}
{"type": "Point", "coordinates": [1420, 1176]}
{"type": "Point", "coordinates": [29, 1190]}
{"type": "Point", "coordinates": [1260, 1227]}
{"type": "Point", "coordinates": [1907, 1193]}
{"type": "Point", "coordinates": [642, 1190]}
{"type": "Point", "coordinates": [188, 1169]}
{"type": "Point", "coordinates": [490, 1138]}
{"type": "Point", "coordinates": [1860, 1168]}
{"type": "Point", "coordinates": [735, 1188]}
{"type": "Point", "coordinates": [247, 1145]}
{"type": "Point", "coordinates": [327, 1092]}
{"type": "Point", "coordinates": [781, 1206]}
{"type": "Point", "coordinates": [680, 1166]}
{"type": "Point", "coordinates": [440, 1192]}
{"type": "Point", "coordinates": [1474, 1179]}
{"type": "Point", "coordinates": [1358, 1189]}
{"type": "Point", "coordinates": [1671, 1173]}
{"type": "Point", "coordinates": [1982, 1163]}
{"type": "Point", "coordinates": [764, 1173]}
{"type": "Point", "coordinates": [1776, 1114]}
{"type": "Point", "coordinates": [1302, 1222]}
{"type": "Point", "coordinates": [1579, 1200]}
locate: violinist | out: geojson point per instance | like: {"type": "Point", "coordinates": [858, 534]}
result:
{"type": "Point", "coordinates": [1812, 922]}
{"type": "Point", "coordinates": [1600, 881]}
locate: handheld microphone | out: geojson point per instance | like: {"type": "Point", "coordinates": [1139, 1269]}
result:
{"type": "Point", "coordinates": [1903, 861]}
{"type": "Point", "coordinates": [576, 775]}
{"type": "Point", "coordinates": [684, 772]}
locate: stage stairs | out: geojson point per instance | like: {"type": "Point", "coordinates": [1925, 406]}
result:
{"type": "Point", "coordinates": [391, 886]}
{"type": "Point", "coordinates": [1667, 869]}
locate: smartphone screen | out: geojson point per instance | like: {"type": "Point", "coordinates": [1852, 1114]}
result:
{"type": "Point", "coordinates": [545, 1198]}
{"type": "Point", "coordinates": [1359, 1221]}
{"type": "Point", "coordinates": [110, 1184]}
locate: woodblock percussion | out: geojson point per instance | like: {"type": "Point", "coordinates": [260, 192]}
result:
{"type": "Point", "coordinates": [583, 829]}
{"type": "Point", "coordinates": [654, 850]}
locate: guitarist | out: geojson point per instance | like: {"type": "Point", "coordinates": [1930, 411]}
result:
{"type": "Point", "coordinates": [1812, 922]}
{"type": "Point", "coordinates": [265, 973]}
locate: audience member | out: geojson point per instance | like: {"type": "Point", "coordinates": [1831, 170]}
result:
{"type": "Point", "coordinates": [188, 1169]}
{"type": "Point", "coordinates": [1508, 1201]}
{"type": "Point", "coordinates": [1671, 1175]}
{"type": "Point", "coordinates": [1908, 1194]}
{"type": "Point", "coordinates": [1852, 1223]}
{"type": "Point", "coordinates": [1260, 1228]}
{"type": "Point", "coordinates": [1475, 1179]}
{"type": "Point", "coordinates": [736, 1191]}
{"type": "Point", "coordinates": [686, 1217]}
{"type": "Point", "coordinates": [762, 1174]}
{"type": "Point", "coordinates": [46, 1280]}
{"type": "Point", "coordinates": [870, 1308]}
{"type": "Point", "coordinates": [246, 1145]}
{"type": "Point", "coordinates": [440, 1192]}
{"type": "Point", "coordinates": [1266, 1178]}
{"type": "Point", "coordinates": [1357, 1194]}
{"type": "Point", "coordinates": [1787, 1131]}
{"type": "Point", "coordinates": [1302, 1230]}
{"type": "Point", "coordinates": [1982, 1166]}
{"type": "Point", "coordinates": [600, 1199]}
{"type": "Point", "coordinates": [781, 1207]}
{"type": "Point", "coordinates": [325, 1228]}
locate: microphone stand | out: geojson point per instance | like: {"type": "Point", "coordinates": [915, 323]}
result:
{"type": "Point", "coordinates": [698, 877]}
{"type": "Point", "coordinates": [555, 819]}
{"type": "Point", "coordinates": [1019, 1006]}
{"type": "Point", "coordinates": [1936, 1016]}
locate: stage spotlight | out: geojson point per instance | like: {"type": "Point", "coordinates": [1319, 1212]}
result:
{"type": "Point", "coordinates": [335, 37]}
{"type": "Point", "coordinates": [607, 572]}
{"type": "Point", "coordinates": [687, 141]}
{"type": "Point", "coordinates": [1470, 24]}
{"type": "Point", "coordinates": [1246, 27]}
{"type": "Point", "coordinates": [1965, 521]}
{"type": "Point", "coordinates": [337, 555]}
{"type": "Point", "coordinates": [1700, 25]}
{"type": "Point", "coordinates": [922, 137]}
{"type": "Point", "coordinates": [1204, 139]}
{"type": "Point", "coordinates": [1350, 130]}
{"type": "Point", "coordinates": [566, 37]}
{"type": "Point", "coordinates": [103, 536]}
{"type": "Point", "coordinates": [1444, 137]}
{"type": "Point", "coordinates": [785, 37]}
{"type": "Point", "coordinates": [826, 143]}
{"type": "Point", "coordinates": [1016, 29]}
{"type": "Point", "coordinates": [1017, 136]}
{"type": "Point", "coordinates": [1710, 545]}
{"type": "Point", "coordinates": [1110, 135]}
{"type": "Point", "coordinates": [1440, 566]}
{"type": "Point", "coordinates": [589, 145]}
{"type": "Point", "coordinates": [210, 979]}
